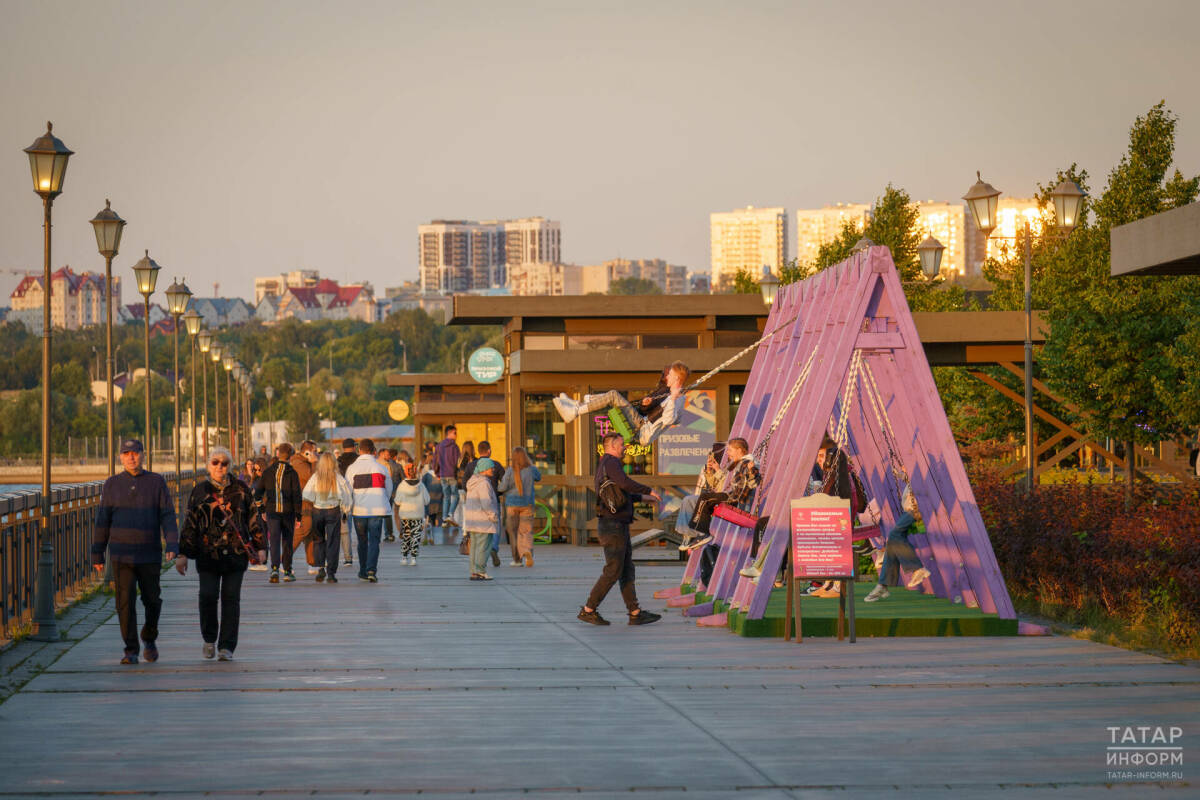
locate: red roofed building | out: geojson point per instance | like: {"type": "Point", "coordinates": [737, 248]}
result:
{"type": "Point", "coordinates": [328, 300]}
{"type": "Point", "coordinates": [76, 300]}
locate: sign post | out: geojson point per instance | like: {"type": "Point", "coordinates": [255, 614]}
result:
{"type": "Point", "coordinates": [822, 538]}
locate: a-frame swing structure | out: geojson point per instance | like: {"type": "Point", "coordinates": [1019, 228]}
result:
{"type": "Point", "coordinates": [841, 350]}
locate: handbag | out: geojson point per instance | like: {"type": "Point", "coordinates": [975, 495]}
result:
{"type": "Point", "coordinates": [464, 545]}
{"type": "Point", "coordinates": [610, 497]}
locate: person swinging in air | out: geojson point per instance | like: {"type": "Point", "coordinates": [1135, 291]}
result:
{"type": "Point", "coordinates": [644, 422]}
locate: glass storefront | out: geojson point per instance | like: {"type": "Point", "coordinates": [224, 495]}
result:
{"type": "Point", "coordinates": [545, 434]}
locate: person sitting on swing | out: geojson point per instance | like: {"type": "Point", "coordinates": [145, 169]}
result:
{"type": "Point", "coordinates": [899, 554]}
{"type": "Point", "coordinates": [649, 420]}
{"type": "Point", "coordinates": [708, 484]}
{"type": "Point", "coordinates": [839, 481]}
{"type": "Point", "coordinates": [743, 479]}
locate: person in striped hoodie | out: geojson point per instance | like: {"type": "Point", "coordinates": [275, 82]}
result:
{"type": "Point", "coordinates": [136, 512]}
{"type": "Point", "coordinates": [372, 486]}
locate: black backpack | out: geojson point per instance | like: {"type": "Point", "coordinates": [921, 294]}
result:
{"type": "Point", "coordinates": [610, 497]}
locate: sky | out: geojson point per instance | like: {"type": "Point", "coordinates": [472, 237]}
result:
{"type": "Point", "coordinates": [250, 138]}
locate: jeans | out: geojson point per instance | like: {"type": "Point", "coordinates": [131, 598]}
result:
{"type": "Point", "coordinates": [898, 553]}
{"type": "Point", "coordinates": [368, 530]}
{"type": "Point", "coordinates": [387, 528]}
{"type": "Point", "coordinates": [614, 399]}
{"type": "Point", "coordinates": [519, 520]}
{"type": "Point", "coordinates": [618, 564]}
{"type": "Point", "coordinates": [347, 550]}
{"type": "Point", "coordinates": [327, 536]}
{"type": "Point", "coordinates": [449, 498]}
{"type": "Point", "coordinates": [480, 547]}
{"type": "Point", "coordinates": [228, 587]}
{"type": "Point", "coordinates": [280, 528]}
{"type": "Point", "coordinates": [130, 578]}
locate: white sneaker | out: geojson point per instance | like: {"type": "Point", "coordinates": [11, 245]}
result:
{"type": "Point", "coordinates": [750, 571]}
{"type": "Point", "coordinates": [224, 655]}
{"type": "Point", "coordinates": [412, 561]}
{"type": "Point", "coordinates": [686, 544]}
{"type": "Point", "coordinates": [514, 563]}
{"type": "Point", "coordinates": [566, 408]}
{"type": "Point", "coordinates": [210, 650]}
{"type": "Point", "coordinates": [258, 567]}
{"type": "Point", "coordinates": [880, 592]}
{"type": "Point", "coordinates": [917, 578]}
{"type": "Point", "coordinates": [313, 570]}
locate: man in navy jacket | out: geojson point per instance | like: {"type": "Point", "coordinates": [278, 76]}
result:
{"type": "Point", "coordinates": [135, 514]}
{"type": "Point", "coordinates": [614, 537]}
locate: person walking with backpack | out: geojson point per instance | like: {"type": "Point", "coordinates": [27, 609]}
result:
{"type": "Point", "coordinates": [616, 493]}
{"type": "Point", "coordinates": [372, 485]}
{"type": "Point", "coordinates": [136, 512]}
{"type": "Point", "coordinates": [279, 491]}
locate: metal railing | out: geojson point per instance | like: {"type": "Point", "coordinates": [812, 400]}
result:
{"type": "Point", "coordinates": [72, 523]}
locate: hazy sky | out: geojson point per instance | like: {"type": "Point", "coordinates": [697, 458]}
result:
{"type": "Point", "coordinates": [247, 138]}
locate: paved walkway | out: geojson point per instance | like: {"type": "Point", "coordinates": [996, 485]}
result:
{"type": "Point", "coordinates": [429, 683]}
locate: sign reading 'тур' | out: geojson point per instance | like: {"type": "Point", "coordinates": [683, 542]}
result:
{"type": "Point", "coordinates": [486, 365]}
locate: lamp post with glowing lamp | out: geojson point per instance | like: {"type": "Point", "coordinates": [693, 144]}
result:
{"type": "Point", "coordinates": [192, 322]}
{"type": "Point", "coordinates": [108, 227]}
{"type": "Point", "coordinates": [177, 301]}
{"type": "Point", "coordinates": [146, 272]}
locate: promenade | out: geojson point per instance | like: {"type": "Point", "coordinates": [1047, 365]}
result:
{"type": "Point", "coordinates": [428, 683]}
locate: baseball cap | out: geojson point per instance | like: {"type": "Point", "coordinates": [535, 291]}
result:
{"type": "Point", "coordinates": [131, 445]}
{"type": "Point", "coordinates": [484, 463]}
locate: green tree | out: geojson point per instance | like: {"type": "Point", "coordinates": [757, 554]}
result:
{"type": "Point", "coordinates": [628, 286]}
{"type": "Point", "coordinates": [1109, 348]}
{"type": "Point", "coordinates": [744, 282]}
{"type": "Point", "coordinates": [302, 417]}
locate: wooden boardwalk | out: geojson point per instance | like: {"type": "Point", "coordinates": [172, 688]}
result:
{"type": "Point", "coordinates": [429, 683]}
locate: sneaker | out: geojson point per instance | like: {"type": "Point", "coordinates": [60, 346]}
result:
{"type": "Point", "coordinates": [696, 545]}
{"type": "Point", "coordinates": [371, 577]}
{"type": "Point", "coordinates": [331, 579]}
{"type": "Point", "coordinates": [750, 571]}
{"type": "Point", "coordinates": [313, 570]}
{"type": "Point", "coordinates": [412, 561]}
{"type": "Point", "coordinates": [209, 650]}
{"type": "Point", "coordinates": [288, 576]}
{"type": "Point", "coordinates": [150, 652]}
{"type": "Point", "coordinates": [129, 658]}
{"type": "Point", "coordinates": [258, 567]}
{"type": "Point", "coordinates": [515, 563]}
{"type": "Point", "coordinates": [686, 544]}
{"type": "Point", "coordinates": [495, 559]}
{"type": "Point", "coordinates": [483, 576]}
{"type": "Point", "coordinates": [274, 576]}
{"type": "Point", "coordinates": [224, 655]}
{"type": "Point", "coordinates": [917, 578]}
{"type": "Point", "coordinates": [347, 563]}
{"type": "Point", "coordinates": [475, 576]}
{"type": "Point", "coordinates": [389, 538]}
{"type": "Point", "coordinates": [529, 559]}
{"type": "Point", "coordinates": [566, 408]}
{"type": "Point", "coordinates": [592, 617]}
{"type": "Point", "coordinates": [644, 617]}
{"type": "Point", "coordinates": [880, 592]}
{"type": "Point", "coordinates": [320, 576]}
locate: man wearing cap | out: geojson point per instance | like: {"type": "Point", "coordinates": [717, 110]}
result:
{"type": "Point", "coordinates": [136, 512]}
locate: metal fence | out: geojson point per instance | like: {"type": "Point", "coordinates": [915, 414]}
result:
{"type": "Point", "coordinates": [72, 522]}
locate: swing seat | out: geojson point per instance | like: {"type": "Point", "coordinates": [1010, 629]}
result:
{"type": "Point", "coordinates": [735, 515]}
{"type": "Point", "coordinates": [620, 424]}
{"type": "Point", "coordinates": [862, 532]}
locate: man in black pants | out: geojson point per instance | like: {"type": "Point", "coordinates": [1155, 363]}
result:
{"type": "Point", "coordinates": [614, 536]}
{"type": "Point", "coordinates": [134, 514]}
{"type": "Point", "coordinates": [280, 492]}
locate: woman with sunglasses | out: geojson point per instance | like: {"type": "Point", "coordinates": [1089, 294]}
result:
{"type": "Point", "coordinates": [222, 535]}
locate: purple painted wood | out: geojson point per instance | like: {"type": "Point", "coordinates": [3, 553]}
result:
{"type": "Point", "coordinates": [858, 303]}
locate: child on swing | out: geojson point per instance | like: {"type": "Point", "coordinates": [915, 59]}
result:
{"type": "Point", "coordinates": [648, 419]}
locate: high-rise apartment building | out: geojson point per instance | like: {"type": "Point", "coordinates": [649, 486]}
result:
{"type": "Point", "coordinates": [545, 278]}
{"type": "Point", "coordinates": [747, 239]}
{"type": "Point", "coordinates": [816, 226]}
{"type": "Point", "coordinates": [461, 255]}
{"type": "Point", "coordinates": [1011, 213]}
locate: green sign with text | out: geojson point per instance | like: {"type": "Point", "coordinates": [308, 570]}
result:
{"type": "Point", "coordinates": [486, 365]}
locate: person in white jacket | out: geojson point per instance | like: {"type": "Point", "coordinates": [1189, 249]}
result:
{"type": "Point", "coordinates": [371, 483]}
{"type": "Point", "coordinates": [331, 497]}
{"type": "Point", "coordinates": [411, 498]}
{"type": "Point", "coordinates": [481, 516]}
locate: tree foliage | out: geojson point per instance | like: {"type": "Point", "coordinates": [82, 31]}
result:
{"type": "Point", "coordinates": [629, 286]}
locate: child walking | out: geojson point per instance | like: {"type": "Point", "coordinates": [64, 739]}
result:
{"type": "Point", "coordinates": [411, 500]}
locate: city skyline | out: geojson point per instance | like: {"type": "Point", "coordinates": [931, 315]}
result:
{"type": "Point", "coordinates": [239, 141]}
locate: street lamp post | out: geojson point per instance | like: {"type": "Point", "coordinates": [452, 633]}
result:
{"type": "Point", "coordinates": [404, 355]}
{"type": "Point", "coordinates": [227, 362]}
{"type": "Point", "coordinates": [330, 397]}
{"type": "Point", "coordinates": [108, 227]}
{"type": "Point", "coordinates": [146, 272]}
{"type": "Point", "coordinates": [192, 321]}
{"type": "Point", "coordinates": [216, 356]}
{"type": "Point", "coordinates": [982, 198]}
{"type": "Point", "coordinates": [768, 285]}
{"type": "Point", "coordinates": [177, 300]}
{"type": "Point", "coordinates": [203, 343]}
{"type": "Point", "coordinates": [270, 393]}
{"type": "Point", "coordinates": [48, 162]}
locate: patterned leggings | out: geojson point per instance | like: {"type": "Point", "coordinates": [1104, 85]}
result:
{"type": "Point", "coordinates": [410, 537]}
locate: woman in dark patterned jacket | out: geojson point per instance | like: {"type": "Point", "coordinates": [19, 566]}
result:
{"type": "Point", "coordinates": [221, 534]}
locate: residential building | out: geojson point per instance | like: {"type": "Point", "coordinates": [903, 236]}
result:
{"type": "Point", "coordinates": [747, 239]}
{"type": "Point", "coordinates": [669, 278]}
{"type": "Point", "coordinates": [817, 226]}
{"type": "Point", "coordinates": [136, 312]}
{"type": "Point", "coordinates": [1011, 213]}
{"type": "Point", "coordinates": [328, 300]}
{"type": "Point", "coordinates": [76, 299]}
{"type": "Point", "coordinates": [220, 311]}
{"type": "Point", "coordinates": [276, 284]}
{"type": "Point", "coordinates": [944, 222]}
{"type": "Point", "coordinates": [266, 310]}
{"type": "Point", "coordinates": [461, 255]}
{"type": "Point", "coordinates": [545, 279]}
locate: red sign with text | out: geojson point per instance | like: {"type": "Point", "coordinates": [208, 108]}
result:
{"type": "Point", "coordinates": [822, 537]}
